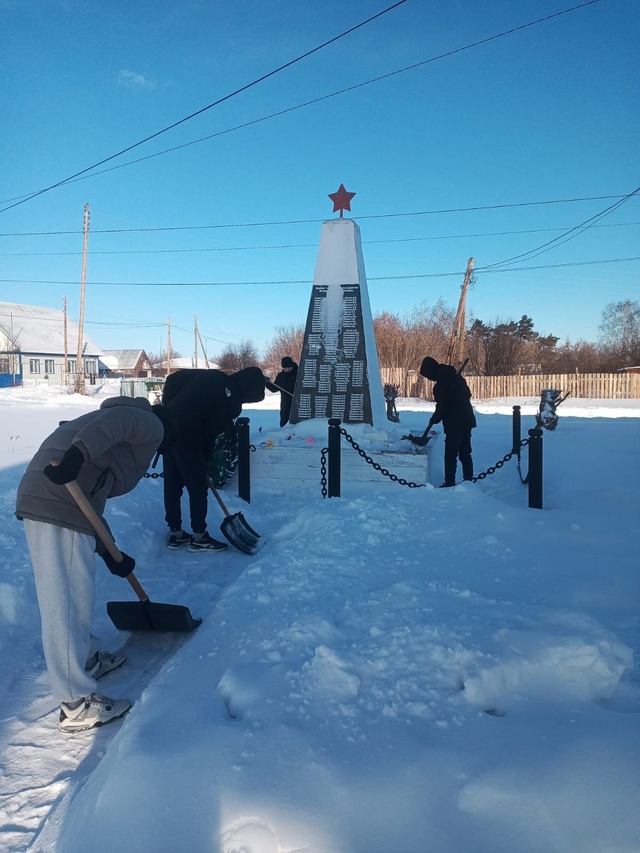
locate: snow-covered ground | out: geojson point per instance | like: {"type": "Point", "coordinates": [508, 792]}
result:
{"type": "Point", "coordinates": [400, 671]}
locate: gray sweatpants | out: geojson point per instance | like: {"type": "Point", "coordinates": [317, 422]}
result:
{"type": "Point", "coordinates": [64, 566]}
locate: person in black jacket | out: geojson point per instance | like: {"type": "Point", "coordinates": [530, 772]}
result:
{"type": "Point", "coordinates": [454, 410]}
{"type": "Point", "coordinates": [205, 403]}
{"type": "Point", "coordinates": [285, 382]}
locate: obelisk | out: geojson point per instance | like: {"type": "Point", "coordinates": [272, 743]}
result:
{"type": "Point", "coordinates": [339, 373]}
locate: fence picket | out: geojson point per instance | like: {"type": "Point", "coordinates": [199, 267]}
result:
{"type": "Point", "coordinates": [616, 386]}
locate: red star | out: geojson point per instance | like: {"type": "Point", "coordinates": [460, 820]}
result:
{"type": "Point", "coordinates": [341, 200]}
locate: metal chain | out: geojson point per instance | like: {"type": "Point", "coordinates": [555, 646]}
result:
{"type": "Point", "coordinates": [505, 459]}
{"type": "Point", "coordinates": [155, 475]}
{"type": "Point", "coordinates": [378, 467]}
{"type": "Point", "coordinates": [402, 481]}
{"type": "Point", "coordinates": [323, 471]}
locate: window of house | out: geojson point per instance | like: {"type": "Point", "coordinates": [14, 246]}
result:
{"type": "Point", "coordinates": [34, 365]}
{"type": "Point", "coordinates": [49, 366]}
{"type": "Point", "coordinates": [71, 365]}
{"type": "Point", "coordinates": [89, 366]}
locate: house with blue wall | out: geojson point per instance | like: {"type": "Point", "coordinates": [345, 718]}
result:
{"type": "Point", "coordinates": [40, 345]}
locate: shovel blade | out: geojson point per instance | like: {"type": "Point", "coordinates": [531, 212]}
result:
{"type": "Point", "coordinates": [149, 616]}
{"type": "Point", "coordinates": [236, 531]}
{"type": "Point", "coordinates": [246, 527]}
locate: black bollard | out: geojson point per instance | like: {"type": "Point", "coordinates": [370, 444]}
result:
{"type": "Point", "coordinates": [535, 468]}
{"type": "Point", "coordinates": [244, 467]}
{"type": "Point", "coordinates": [516, 430]}
{"type": "Point", "coordinates": [333, 489]}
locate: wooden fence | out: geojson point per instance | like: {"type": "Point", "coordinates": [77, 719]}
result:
{"type": "Point", "coordinates": [617, 386]}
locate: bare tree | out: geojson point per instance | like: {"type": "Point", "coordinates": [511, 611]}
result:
{"type": "Point", "coordinates": [620, 332]}
{"type": "Point", "coordinates": [580, 357]}
{"type": "Point", "coordinates": [391, 340]}
{"type": "Point", "coordinates": [405, 342]}
{"type": "Point", "coordinates": [238, 357]}
{"type": "Point", "coordinates": [287, 340]}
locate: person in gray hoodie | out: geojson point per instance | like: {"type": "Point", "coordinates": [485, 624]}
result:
{"type": "Point", "coordinates": [106, 452]}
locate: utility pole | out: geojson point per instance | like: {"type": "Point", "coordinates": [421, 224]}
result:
{"type": "Point", "coordinates": [195, 339]}
{"type": "Point", "coordinates": [65, 363]}
{"type": "Point", "coordinates": [204, 352]}
{"type": "Point", "coordinates": [80, 360]}
{"type": "Point", "coordinates": [168, 346]}
{"type": "Point", "coordinates": [456, 342]}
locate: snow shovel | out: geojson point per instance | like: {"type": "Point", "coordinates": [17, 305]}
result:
{"type": "Point", "coordinates": [235, 528]}
{"type": "Point", "coordinates": [280, 388]}
{"type": "Point", "coordinates": [142, 615]}
{"type": "Point", "coordinates": [420, 441]}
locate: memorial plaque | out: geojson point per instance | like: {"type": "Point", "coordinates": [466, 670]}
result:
{"type": "Point", "coordinates": [334, 360]}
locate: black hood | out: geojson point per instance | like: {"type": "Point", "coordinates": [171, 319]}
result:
{"type": "Point", "coordinates": [250, 383]}
{"type": "Point", "coordinates": [429, 368]}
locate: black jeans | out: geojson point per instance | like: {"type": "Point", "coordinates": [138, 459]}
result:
{"type": "Point", "coordinates": [184, 468]}
{"type": "Point", "coordinates": [285, 408]}
{"type": "Point", "coordinates": [457, 445]}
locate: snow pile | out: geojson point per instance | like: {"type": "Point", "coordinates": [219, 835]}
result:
{"type": "Point", "coordinates": [405, 670]}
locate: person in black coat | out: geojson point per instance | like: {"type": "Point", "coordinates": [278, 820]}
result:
{"type": "Point", "coordinates": [285, 380]}
{"type": "Point", "coordinates": [454, 410]}
{"type": "Point", "coordinates": [205, 403]}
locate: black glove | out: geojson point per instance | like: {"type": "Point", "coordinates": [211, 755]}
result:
{"type": "Point", "coordinates": [122, 569]}
{"type": "Point", "coordinates": [68, 469]}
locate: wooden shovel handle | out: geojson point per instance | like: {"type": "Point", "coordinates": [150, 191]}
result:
{"type": "Point", "coordinates": [218, 498]}
{"type": "Point", "coordinates": [290, 393]}
{"type": "Point", "coordinates": [103, 534]}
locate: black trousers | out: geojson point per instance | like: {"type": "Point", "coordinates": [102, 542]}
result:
{"type": "Point", "coordinates": [285, 408]}
{"type": "Point", "coordinates": [457, 445]}
{"type": "Point", "coordinates": [185, 468]}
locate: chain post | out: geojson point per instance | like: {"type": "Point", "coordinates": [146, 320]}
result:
{"type": "Point", "coordinates": [334, 457]}
{"type": "Point", "coordinates": [516, 430]}
{"type": "Point", "coordinates": [535, 468]}
{"type": "Point", "coordinates": [244, 467]}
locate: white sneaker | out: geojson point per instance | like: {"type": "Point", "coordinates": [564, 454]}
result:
{"type": "Point", "coordinates": [95, 711]}
{"type": "Point", "coordinates": [103, 662]}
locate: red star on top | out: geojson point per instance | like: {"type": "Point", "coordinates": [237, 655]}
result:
{"type": "Point", "coordinates": [341, 200]}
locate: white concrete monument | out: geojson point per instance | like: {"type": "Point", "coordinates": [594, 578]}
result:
{"type": "Point", "coordinates": [339, 373]}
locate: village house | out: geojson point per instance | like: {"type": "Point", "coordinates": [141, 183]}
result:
{"type": "Point", "coordinates": [126, 363]}
{"type": "Point", "coordinates": [41, 345]}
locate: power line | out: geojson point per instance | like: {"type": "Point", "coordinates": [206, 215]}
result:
{"type": "Point", "coordinates": [435, 212]}
{"type": "Point", "coordinates": [568, 235]}
{"type": "Point", "coordinates": [304, 245]}
{"type": "Point", "coordinates": [80, 176]}
{"type": "Point", "coordinates": [214, 104]}
{"type": "Point", "coordinates": [182, 284]}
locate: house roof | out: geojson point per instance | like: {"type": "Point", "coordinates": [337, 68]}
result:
{"type": "Point", "coordinates": [125, 359]}
{"type": "Point", "coordinates": [189, 362]}
{"type": "Point", "coordinates": [33, 329]}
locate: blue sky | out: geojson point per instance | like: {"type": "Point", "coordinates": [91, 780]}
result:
{"type": "Point", "coordinates": [448, 160]}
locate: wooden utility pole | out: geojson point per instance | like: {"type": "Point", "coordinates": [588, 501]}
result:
{"type": "Point", "coordinates": [80, 359]}
{"type": "Point", "coordinates": [65, 362]}
{"type": "Point", "coordinates": [195, 340]}
{"type": "Point", "coordinates": [204, 353]}
{"type": "Point", "coordinates": [168, 346]}
{"type": "Point", "coordinates": [455, 353]}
